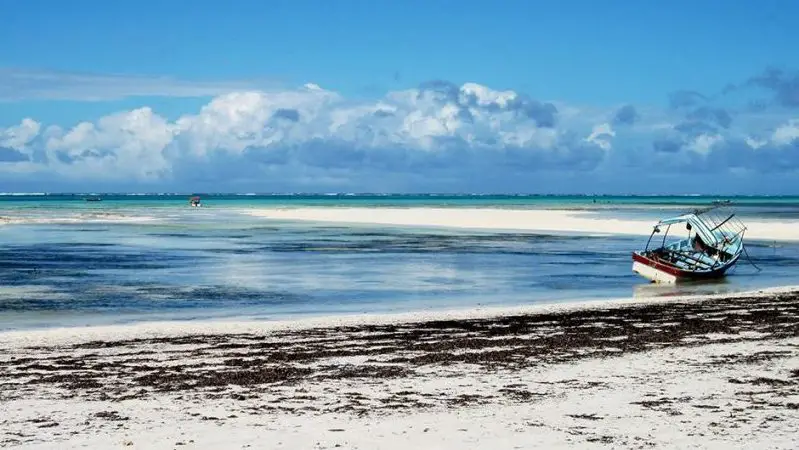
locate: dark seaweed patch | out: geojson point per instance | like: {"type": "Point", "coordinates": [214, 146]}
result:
{"type": "Point", "coordinates": [206, 362]}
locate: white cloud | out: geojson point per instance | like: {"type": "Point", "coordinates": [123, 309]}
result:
{"type": "Point", "coordinates": [704, 143]}
{"type": "Point", "coordinates": [754, 142]}
{"type": "Point", "coordinates": [486, 97]}
{"type": "Point", "coordinates": [312, 135]}
{"type": "Point", "coordinates": [786, 134]}
{"type": "Point", "coordinates": [18, 137]}
{"type": "Point", "coordinates": [602, 135]}
{"type": "Point", "coordinates": [413, 119]}
{"type": "Point", "coordinates": [236, 121]}
{"type": "Point", "coordinates": [129, 144]}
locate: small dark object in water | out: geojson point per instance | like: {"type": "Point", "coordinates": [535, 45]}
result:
{"type": "Point", "coordinates": [93, 198]}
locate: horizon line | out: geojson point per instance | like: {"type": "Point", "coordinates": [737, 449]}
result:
{"type": "Point", "coordinates": [374, 194]}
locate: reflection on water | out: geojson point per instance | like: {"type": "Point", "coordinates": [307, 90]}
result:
{"type": "Point", "coordinates": [705, 287]}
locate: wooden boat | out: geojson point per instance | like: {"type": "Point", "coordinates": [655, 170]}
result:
{"type": "Point", "coordinates": [713, 245]}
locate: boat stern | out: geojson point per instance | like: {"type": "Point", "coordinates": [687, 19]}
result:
{"type": "Point", "coordinates": [646, 268]}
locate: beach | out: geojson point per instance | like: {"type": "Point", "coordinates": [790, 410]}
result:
{"type": "Point", "coordinates": [688, 372]}
{"type": "Point", "coordinates": [375, 323]}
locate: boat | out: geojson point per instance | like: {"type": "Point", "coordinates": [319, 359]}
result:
{"type": "Point", "coordinates": [194, 201]}
{"type": "Point", "coordinates": [714, 245]}
{"type": "Point", "coordinates": [93, 198]}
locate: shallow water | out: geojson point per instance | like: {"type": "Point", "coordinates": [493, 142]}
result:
{"type": "Point", "coordinates": [61, 265]}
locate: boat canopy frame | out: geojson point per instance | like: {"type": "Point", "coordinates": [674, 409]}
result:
{"type": "Point", "coordinates": [718, 227]}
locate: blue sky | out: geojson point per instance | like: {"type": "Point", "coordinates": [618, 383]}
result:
{"type": "Point", "coordinates": [573, 95]}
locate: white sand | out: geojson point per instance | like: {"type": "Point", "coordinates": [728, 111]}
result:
{"type": "Point", "coordinates": [711, 395]}
{"type": "Point", "coordinates": [529, 220]}
{"type": "Point", "coordinates": [593, 403]}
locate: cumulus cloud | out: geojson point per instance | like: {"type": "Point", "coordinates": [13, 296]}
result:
{"type": "Point", "coordinates": [472, 96]}
{"type": "Point", "coordinates": [438, 135]}
{"type": "Point", "coordinates": [602, 135]}
{"type": "Point", "coordinates": [698, 128]}
{"type": "Point", "coordinates": [129, 144]}
{"type": "Point", "coordinates": [705, 143]}
{"type": "Point", "coordinates": [17, 137]}
{"type": "Point", "coordinates": [787, 134]}
{"type": "Point", "coordinates": [436, 127]}
{"type": "Point", "coordinates": [709, 151]}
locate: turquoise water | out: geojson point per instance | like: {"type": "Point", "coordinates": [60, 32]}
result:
{"type": "Point", "coordinates": [65, 261]}
{"type": "Point", "coordinates": [748, 206]}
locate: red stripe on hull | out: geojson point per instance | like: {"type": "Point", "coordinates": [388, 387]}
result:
{"type": "Point", "coordinates": [680, 273]}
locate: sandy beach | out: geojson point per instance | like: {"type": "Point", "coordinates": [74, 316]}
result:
{"type": "Point", "coordinates": [528, 220]}
{"type": "Point", "coordinates": [688, 372]}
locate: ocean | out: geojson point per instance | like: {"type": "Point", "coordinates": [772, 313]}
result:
{"type": "Point", "coordinates": [65, 261]}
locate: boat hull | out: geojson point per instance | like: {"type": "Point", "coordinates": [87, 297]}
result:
{"type": "Point", "coordinates": [659, 272]}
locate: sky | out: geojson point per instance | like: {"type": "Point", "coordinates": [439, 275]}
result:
{"type": "Point", "coordinates": [513, 96]}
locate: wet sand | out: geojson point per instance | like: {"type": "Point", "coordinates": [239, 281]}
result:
{"type": "Point", "coordinates": [722, 372]}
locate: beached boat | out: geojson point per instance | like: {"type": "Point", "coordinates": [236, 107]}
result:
{"type": "Point", "coordinates": [713, 245]}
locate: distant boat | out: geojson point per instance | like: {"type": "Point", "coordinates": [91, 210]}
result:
{"type": "Point", "coordinates": [93, 198]}
{"type": "Point", "coordinates": [714, 244]}
{"type": "Point", "coordinates": [194, 201]}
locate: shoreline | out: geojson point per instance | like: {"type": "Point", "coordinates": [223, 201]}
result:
{"type": "Point", "coordinates": [503, 220]}
{"type": "Point", "coordinates": [719, 371]}
{"type": "Point", "coordinates": [222, 325]}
